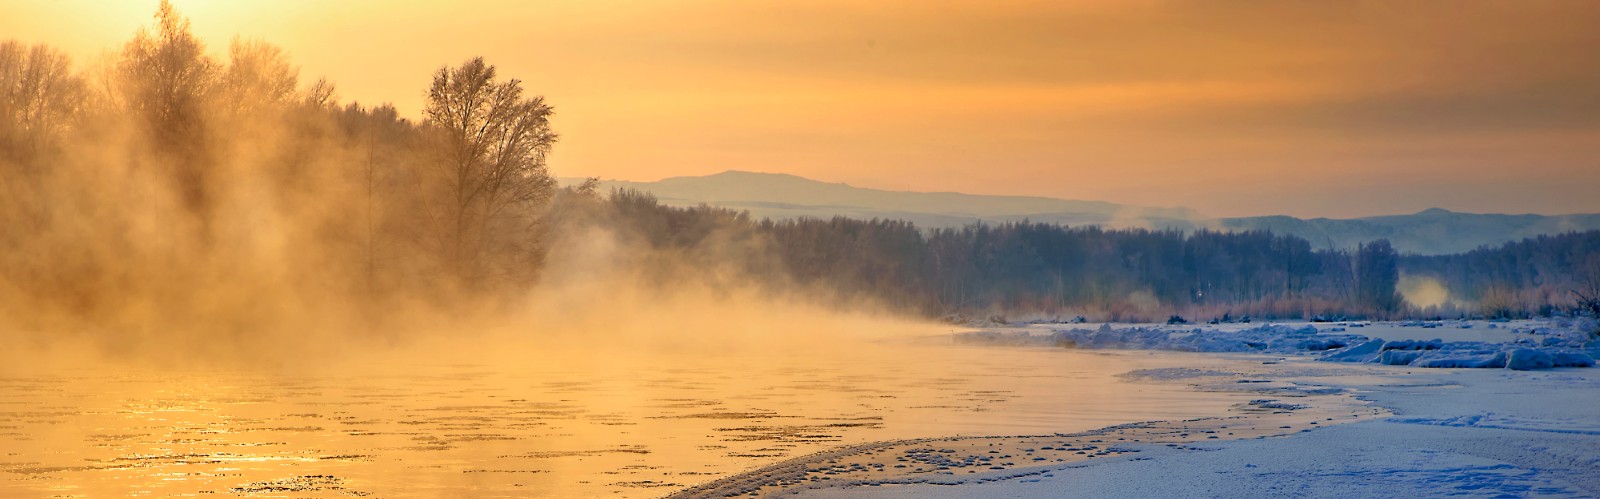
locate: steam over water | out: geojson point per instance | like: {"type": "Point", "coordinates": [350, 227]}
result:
{"type": "Point", "coordinates": [564, 422]}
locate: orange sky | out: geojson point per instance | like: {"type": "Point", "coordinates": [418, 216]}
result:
{"type": "Point", "coordinates": [1229, 107]}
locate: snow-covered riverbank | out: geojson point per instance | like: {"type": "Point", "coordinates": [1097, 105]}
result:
{"type": "Point", "coordinates": [1519, 345]}
{"type": "Point", "coordinates": [1472, 432]}
{"type": "Point", "coordinates": [1273, 400]}
{"type": "Point", "coordinates": [1337, 414]}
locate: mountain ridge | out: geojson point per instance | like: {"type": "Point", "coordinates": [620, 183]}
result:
{"type": "Point", "coordinates": [787, 196]}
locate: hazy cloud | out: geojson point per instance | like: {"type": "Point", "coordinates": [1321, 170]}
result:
{"type": "Point", "coordinates": [1203, 104]}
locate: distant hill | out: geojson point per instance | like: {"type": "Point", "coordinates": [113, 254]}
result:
{"type": "Point", "coordinates": [781, 196]}
{"type": "Point", "coordinates": [1429, 232]}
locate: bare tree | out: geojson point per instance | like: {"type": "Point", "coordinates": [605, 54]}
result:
{"type": "Point", "coordinates": [165, 78]}
{"type": "Point", "coordinates": [258, 75]}
{"type": "Point", "coordinates": [1586, 290]}
{"type": "Point", "coordinates": [492, 143]}
{"type": "Point", "coordinates": [39, 96]}
{"type": "Point", "coordinates": [1376, 277]}
{"type": "Point", "coordinates": [40, 100]}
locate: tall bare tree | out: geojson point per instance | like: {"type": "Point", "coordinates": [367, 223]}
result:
{"type": "Point", "coordinates": [40, 100]}
{"type": "Point", "coordinates": [491, 144]}
{"type": "Point", "coordinates": [39, 96]}
{"type": "Point", "coordinates": [165, 79]}
{"type": "Point", "coordinates": [1377, 274]}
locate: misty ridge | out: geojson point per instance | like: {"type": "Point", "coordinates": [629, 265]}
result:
{"type": "Point", "coordinates": [167, 196]}
{"type": "Point", "coordinates": [781, 196]}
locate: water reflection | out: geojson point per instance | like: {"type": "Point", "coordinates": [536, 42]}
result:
{"type": "Point", "coordinates": [640, 427]}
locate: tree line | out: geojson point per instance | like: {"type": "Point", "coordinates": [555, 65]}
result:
{"type": "Point", "coordinates": [1043, 270]}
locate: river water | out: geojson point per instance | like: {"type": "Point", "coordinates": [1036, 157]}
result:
{"type": "Point", "coordinates": [559, 423]}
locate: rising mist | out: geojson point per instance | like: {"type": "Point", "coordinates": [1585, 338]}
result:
{"type": "Point", "coordinates": [178, 201]}
{"type": "Point", "coordinates": [166, 201]}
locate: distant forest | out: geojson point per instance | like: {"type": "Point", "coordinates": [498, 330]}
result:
{"type": "Point", "coordinates": [163, 187]}
{"type": "Point", "coordinates": [1049, 271]}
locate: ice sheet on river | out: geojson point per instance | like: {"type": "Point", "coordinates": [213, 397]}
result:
{"type": "Point", "coordinates": [1537, 344]}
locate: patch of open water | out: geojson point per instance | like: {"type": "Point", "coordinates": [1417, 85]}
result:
{"type": "Point", "coordinates": [641, 427]}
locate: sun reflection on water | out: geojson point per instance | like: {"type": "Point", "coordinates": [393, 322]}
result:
{"type": "Point", "coordinates": [534, 429]}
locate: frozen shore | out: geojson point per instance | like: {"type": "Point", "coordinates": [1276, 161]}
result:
{"type": "Point", "coordinates": [1518, 345]}
{"type": "Point", "coordinates": [1476, 433]}
{"type": "Point", "coordinates": [1333, 417]}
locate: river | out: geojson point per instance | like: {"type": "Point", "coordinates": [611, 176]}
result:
{"type": "Point", "coordinates": [569, 422]}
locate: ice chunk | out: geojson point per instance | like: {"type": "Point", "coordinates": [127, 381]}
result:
{"type": "Point", "coordinates": [1398, 357]}
{"type": "Point", "coordinates": [1493, 360]}
{"type": "Point", "coordinates": [1571, 359]}
{"type": "Point", "coordinates": [1527, 359]}
{"type": "Point", "coordinates": [1413, 345]}
{"type": "Point", "coordinates": [1365, 352]}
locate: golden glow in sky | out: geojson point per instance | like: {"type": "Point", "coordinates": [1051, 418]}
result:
{"type": "Point", "coordinates": [1232, 108]}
